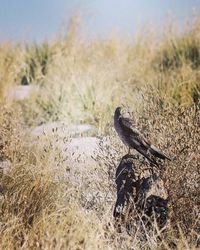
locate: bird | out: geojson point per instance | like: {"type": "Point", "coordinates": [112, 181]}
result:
{"type": "Point", "coordinates": [125, 127]}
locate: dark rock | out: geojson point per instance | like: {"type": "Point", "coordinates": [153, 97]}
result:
{"type": "Point", "coordinates": [139, 197]}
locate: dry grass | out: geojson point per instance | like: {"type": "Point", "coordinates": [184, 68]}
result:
{"type": "Point", "coordinates": [49, 203]}
{"type": "Point", "coordinates": [11, 63]}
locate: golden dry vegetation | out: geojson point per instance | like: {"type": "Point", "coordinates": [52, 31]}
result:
{"type": "Point", "coordinates": [48, 203]}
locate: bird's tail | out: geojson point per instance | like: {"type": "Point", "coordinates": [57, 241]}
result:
{"type": "Point", "coordinates": [157, 153]}
{"type": "Point", "coordinates": [144, 153]}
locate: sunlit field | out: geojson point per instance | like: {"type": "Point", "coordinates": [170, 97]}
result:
{"type": "Point", "coordinates": [51, 198]}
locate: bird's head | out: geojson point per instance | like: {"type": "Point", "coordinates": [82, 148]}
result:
{"type": "Point", "coordinates": [118, 111]}
{"type": "Point", "coordinates": [121, 111]}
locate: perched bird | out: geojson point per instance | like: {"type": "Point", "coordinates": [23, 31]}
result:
{"type": "Point", "coordinates": [131, 137]}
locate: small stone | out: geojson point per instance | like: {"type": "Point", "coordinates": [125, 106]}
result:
{"type": "Point", "coordinates": [5, 166]}
{"type": "Point", "coordinates": [62, 129]}
{"type": "Point", "coordinates": [20, 93]}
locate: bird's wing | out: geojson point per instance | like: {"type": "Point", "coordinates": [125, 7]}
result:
{"type": "Point", "coordinates": [156, 152]}
{"type": "Point", "coordinates": [129, 128]}
{"type": "Point", "coordinates": [144, 153]}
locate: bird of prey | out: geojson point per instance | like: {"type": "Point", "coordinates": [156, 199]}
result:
{"type": "Point", "coordinates": [131, 137]}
